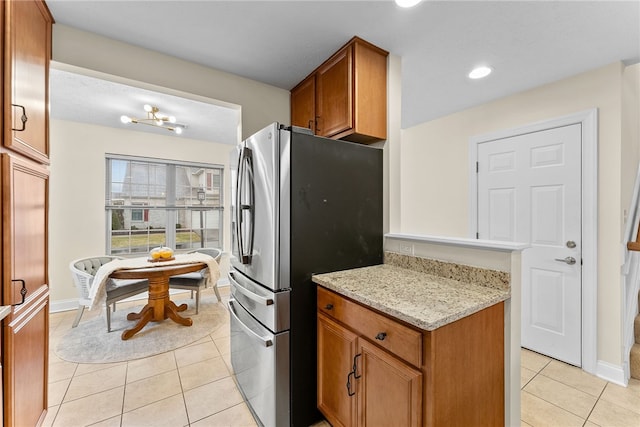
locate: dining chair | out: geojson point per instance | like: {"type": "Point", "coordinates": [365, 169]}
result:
{"type": "Point", "coordinates": [197, 281]}
{"type": "Point", "coordinates": [83, 271]}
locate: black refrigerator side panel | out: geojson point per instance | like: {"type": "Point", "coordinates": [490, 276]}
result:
{"type": "Point", "coordinates": [336, 224]}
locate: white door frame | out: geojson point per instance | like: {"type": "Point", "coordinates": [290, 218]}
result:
{"type": "Point", "coordinates": [589, 121]}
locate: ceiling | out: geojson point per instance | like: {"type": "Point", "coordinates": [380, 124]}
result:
{"type": "Point", "coordinates": [90, 99]}
{"type": "Point", "coordinates": [527, 43]}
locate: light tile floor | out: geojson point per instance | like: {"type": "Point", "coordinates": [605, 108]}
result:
{"type": "Point", "coordinates": [193, 386]}
{"type": "Point", "coordinates": [557, 394]}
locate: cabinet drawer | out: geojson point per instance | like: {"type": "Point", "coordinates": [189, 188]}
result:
{"type": "Point", "coordinates": [399, 339]}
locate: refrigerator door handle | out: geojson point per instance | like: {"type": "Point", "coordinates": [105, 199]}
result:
{"type": "Point", "coordinates": [246, 292]}
{"type": "Point", "coordinates": [237, 212]}
{"type": "Point", "coordinates": [263, 340]}
{"type": "Point", "coordinates": [245, 170]}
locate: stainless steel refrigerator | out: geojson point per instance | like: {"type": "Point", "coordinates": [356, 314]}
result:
{"type": "Point", "coordinates": [301, 205]}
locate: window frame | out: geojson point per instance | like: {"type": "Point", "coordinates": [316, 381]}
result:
{"type": "Point", "coordinates": [169, 206]}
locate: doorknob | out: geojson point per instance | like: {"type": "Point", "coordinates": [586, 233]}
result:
{"type": "Point", "coordinates": [571, 244]}
{"type": "Point", "coordinates": [569, 260]}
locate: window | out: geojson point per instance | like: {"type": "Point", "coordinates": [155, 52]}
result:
{"type": "Point", "coordinates": [139, 214]}
{"type": "Point", "coordinates": [136, 215]}
{"type": "Point", "coordinates": [154, 202]}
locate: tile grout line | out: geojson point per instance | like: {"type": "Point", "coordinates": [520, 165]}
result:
{"type": "Point", "coordinates": [53, 422]}
{"type": "Point", "coordinates": [595, 404]}
{"type": "Point", "coordinates": [184, 399]}
{"type": "Point", "coordinates": [124, 394]}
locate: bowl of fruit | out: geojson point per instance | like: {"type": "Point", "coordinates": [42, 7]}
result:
{"type": "Point", "coordinates": [161, 253]}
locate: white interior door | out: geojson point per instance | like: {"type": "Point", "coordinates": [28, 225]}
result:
{"type": "Point", "coordinates": [529, 190]}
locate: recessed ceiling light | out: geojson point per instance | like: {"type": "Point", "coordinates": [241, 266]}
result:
{"type": "Point", "coordinates": [407, 3]}
{"type": "Point", "coordinates": [480, 72]}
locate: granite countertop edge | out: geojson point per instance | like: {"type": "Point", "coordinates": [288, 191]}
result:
{"type": "Point", "coordinates": [385, 288]}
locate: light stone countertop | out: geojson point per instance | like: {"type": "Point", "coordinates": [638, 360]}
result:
{"type": "Point", "coordinates": [421, 299]}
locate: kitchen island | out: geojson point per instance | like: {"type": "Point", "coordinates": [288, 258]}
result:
{"type": "Point", "coordinates": [414, 341]}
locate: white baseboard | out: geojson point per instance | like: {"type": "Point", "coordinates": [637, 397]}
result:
{"type": "Point", "coordinates": [63, 305]}
{"type": "Point", "coordinates": [610, 372]}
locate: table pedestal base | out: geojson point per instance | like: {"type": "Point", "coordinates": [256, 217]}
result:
{"type": "Point", "coordinates": [159, 308]}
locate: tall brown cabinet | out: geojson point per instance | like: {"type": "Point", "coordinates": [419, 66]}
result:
{"type": "Point", "coordinates": [24, 176]}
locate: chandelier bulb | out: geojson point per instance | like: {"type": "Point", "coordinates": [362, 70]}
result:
{"type": "Point", "coordinates": [125, 119]}
{"type": "Point", "coordinates": [148, 108]}
{"type": "Point", "coordinates": [172, 119]}
{"type": "Point", "coordinates": [178, 130]}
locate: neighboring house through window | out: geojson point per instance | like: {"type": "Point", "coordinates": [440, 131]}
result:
{"type": "Point", "coordinates": [154, 202]}
{"type": "Point", "coordinates": [139, 215]}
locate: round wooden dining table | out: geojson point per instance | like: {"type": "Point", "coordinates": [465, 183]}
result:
{"type": "Point", "coordinates": [159, 307]}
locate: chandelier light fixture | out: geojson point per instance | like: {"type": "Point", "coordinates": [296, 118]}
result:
{"type": "Point", "coordinates": [156, 119]}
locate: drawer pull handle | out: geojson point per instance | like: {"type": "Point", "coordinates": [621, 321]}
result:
{"type": "Point", "coordinates": [349, 384]}
{"type": "Point", "coordinates": [355, 366]}
{"type": "Point", "coordinates": [381, 336]}
{"type": "Point", "coordinates": [23, 118]}
{"type": "Point", "coordinates": [23, 290]}
{"type": "Point", "coordinates": [236, 286]}
{"type": "Point", "coordinates": [328, 307]}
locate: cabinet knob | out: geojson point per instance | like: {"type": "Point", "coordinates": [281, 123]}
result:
{"type": "Point", "coordinates": [328, 307]}
{"type": "Point", "coordinates": [381, 336]}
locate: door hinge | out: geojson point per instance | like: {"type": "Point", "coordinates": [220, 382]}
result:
{"type": "Point", "coordinates": [477, 167]}
{"type": "Point", "coordinates": [477, 235]}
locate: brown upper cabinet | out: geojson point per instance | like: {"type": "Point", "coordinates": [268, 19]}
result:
{"type": "Point", "coordinates": [27, 50]}
{"type": "Point", "coordinates": [346, 96]}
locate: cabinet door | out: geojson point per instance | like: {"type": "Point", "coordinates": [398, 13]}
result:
{"type": "Point", "coordinates": [24, 259]}
{"type": "Point", "coordinates": [336, 351]}
{"type": "Point", "coordinates": [303, 104]}
{"type": "Point", "coordinates": [27, 51]}
{"type": "Point", "coordinates": [389, 391]}
{"type": "Point", "coordinates": [25, 362]}
{"type": "Point", "coordinates": [370, 93]}
{"type": "Point", "coordinates": [334, 102]}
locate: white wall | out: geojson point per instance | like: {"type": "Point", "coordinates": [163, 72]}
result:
{"type": "Point", "coordinates": [392, 145]}
{"type": "Point", "coordinates": [261, 104]}
{"type": "Point", "coordinates": [630, 133]}
{"type": "Point", "coordinates": [434, 173]}
{"type": "Point", "coordinates": [77, 217]}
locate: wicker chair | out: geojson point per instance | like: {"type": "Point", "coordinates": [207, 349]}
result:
{"type": "Point", "coordinates": [83, 270]}
{"type": "Point", "coordinates": [197, 281]}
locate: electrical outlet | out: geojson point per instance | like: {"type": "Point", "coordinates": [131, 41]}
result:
{"type": "Point", "coordinates": [405, 248]}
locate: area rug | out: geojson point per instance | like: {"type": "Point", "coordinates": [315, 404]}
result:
{"type": "Point", "coordinates": [90, 342]}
